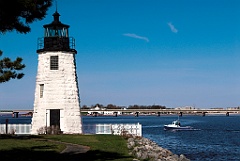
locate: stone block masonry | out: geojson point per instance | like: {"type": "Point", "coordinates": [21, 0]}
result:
{"type": "Point", "coordinates": [59, 92]}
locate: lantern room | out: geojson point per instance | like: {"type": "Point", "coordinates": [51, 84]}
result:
{"type": "Point", "coordinates": [56, 28]}
{"type": "Point", "coordinates": [56, 37]}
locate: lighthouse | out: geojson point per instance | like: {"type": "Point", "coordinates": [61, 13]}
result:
{"type": "Point", "coordinates": [57, 101]}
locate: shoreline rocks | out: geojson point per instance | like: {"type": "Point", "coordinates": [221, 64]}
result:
{"type": "Point", "coordinates": [145, 149]}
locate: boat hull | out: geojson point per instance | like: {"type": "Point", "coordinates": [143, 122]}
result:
{"type": "Point", "coordinates": [166, 127]}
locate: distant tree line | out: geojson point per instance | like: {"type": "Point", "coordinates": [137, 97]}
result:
{"type": "Point", "coordinates": [146, 107]}
{"type": "Point", "coordinates": [111, 106]}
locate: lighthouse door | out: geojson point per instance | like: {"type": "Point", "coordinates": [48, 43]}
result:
{"type": "Point", "coordinates": [55, 118]}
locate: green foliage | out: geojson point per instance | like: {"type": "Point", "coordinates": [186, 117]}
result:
{"type": "Point", "coordinates": [9, 68]}
{"type": "Point", "coordinates": [18, 14]}
{"type": "Point", "coordinates": [146, 107]}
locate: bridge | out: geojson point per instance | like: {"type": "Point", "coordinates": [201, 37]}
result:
{"type": "Point", "coordinates": [11, 111]}
{"type": "Point", "coordinates": [16, 112]}
{"type": "Point", "coordinates": [203, 112]}
{"type": "Point", "coordinates": [136, 112]}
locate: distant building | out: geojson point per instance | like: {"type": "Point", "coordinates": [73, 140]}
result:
{"type": "Point", "coordinates": [185, 108]}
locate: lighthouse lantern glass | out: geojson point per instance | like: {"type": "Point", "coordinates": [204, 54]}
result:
{"type": "Point", "coordinates": [56, 32]}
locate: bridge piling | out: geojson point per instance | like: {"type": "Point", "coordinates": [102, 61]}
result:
{"type": "Point", "coordinates": [95, 114]}
{"type": "Point", "coordinates": [15, 114]}
{"type": "Point", "coordinates": [136, 114]}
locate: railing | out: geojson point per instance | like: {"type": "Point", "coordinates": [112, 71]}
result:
{"type": "Point", "coordinates": [115, 129]}
{"type": "Point", "coordinates": [40, 42]}
{"type": "Point", "coordinates": [119, 129]}
{"type": "Point", "coordinates": [18, 129]}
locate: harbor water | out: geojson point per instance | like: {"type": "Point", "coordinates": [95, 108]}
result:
{"type": "Point", "coordinates": [213, 138]}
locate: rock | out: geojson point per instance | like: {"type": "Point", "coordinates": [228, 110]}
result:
{"type": "Point", "coordinates": [136, 159]}
{"type": "Point", "coordinates": [145, 149]}
{"type": "Point", "coordinates": [183, 158]}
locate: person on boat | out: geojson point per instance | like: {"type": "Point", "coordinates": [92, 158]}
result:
{"type": "Point", "coordinates": [177, 123]}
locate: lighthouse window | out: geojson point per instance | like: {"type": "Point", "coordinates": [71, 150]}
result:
{"type": "Point", "coordinates": [54, 63]}
{"type": "Point", "coordinates": [41, 90]}
{"type": "Point", "coordinates": [56, 32]}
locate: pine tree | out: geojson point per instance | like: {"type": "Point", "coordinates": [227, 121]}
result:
{"type": "Point", "coordinates": [17, 15]}
{"type": "Point", "coordinates": [9, 68]}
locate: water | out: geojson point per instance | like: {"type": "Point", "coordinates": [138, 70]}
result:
{"type": "Point", "coordinates": [215, 138]}
{"type": "Point", "coordinates": [11, 120]}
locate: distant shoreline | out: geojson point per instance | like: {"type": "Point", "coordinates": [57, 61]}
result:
{"type": "Point", "coordinates": [3, 115]}
{"type": "Point", "coordinates": [194, 114]}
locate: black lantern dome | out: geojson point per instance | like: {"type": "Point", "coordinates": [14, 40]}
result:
{"type": "Point", "coordinates": [56, 37]}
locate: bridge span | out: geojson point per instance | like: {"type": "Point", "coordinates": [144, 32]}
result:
{"type": "Point", "coordinates": [137, 112]}
{"type": "Point", "coordinates": [15, 113]}
{"type": "Point", "coordinates": [163, 111]}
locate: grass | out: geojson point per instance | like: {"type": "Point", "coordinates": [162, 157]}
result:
{"type": "Point", "coordinates": [39, 148]}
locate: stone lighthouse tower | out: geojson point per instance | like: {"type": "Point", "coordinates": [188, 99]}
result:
{"type": "Point", "coordinates": [56, 101]}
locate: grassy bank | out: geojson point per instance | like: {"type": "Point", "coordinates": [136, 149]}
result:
{"type": "Point", "coordinates": [46, 148]}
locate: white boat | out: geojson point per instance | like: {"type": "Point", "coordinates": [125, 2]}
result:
{"type": "Point", "coordinates": [175, 125]}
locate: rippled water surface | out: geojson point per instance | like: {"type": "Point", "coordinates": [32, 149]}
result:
{"type": "Point", "coordinates": [214, 138]}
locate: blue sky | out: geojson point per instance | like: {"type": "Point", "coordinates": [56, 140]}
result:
{"type": "Point", "coordinates": [166, 52]}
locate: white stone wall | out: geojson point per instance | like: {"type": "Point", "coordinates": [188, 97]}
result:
{"type": "Point", "coordinates": [60, 92]}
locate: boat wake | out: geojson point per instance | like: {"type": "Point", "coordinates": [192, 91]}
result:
{"type": "Point", "coordinates": [152, 126]}
{"type": "Point", "coordinates": [184, 130]}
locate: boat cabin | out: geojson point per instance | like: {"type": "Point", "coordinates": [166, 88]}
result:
{"type": "Point", "coordinates": [176, 122]}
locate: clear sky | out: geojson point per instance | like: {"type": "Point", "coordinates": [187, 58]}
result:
{"type": "Point", "coordinates": [165, 52]}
